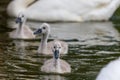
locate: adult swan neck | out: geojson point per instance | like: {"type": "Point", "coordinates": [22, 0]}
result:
{"type": "Point", "coordinates": [17, 6]}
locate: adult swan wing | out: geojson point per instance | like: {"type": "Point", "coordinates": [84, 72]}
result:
{"type": "Point", "coordinates": [64, 10]}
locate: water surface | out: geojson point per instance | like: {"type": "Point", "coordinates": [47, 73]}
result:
{"type": "Point", "coordinates": [92, 45]}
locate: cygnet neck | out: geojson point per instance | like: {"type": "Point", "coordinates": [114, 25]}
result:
{"type": "Point", "coordinates": [43, 45]}
{"type": "Point", "coordinates": [56, 61]}
{"type": "Point", "coordinates": [56, 64]}
{"type": "Point", "coordinates": [20, 29]}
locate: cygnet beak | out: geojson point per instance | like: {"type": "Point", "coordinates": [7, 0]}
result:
{"type": "Point", "coordinates": [37, 31]}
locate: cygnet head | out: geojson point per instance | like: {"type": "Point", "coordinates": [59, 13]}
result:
{"type": "Point", "coordinates": [20, 19]}
{"type": "Point", "coordinates": [56, 49]}
{"type": "Point", "coordinates": [44, 29]}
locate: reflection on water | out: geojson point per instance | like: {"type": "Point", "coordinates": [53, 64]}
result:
{"type": "Point", "coordinates": [19, 46]}
{"type": "Point", "coordinates": [53, 77]}
{"type": "Point", "coordinates": [91, 46]}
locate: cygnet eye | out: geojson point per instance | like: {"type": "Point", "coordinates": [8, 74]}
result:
{"type": "Point", "coordinates": [44, 27]}
{"type": "Point", "coordinates": [22, 15]}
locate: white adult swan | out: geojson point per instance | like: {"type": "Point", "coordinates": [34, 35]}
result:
{"type": "Point", "coordinates": [45, 48]}
{"type": "Point", "coordinates": [22, 31]}
{"type": "Point", "coordinates": [56, 65]}
{"type": "Point", "coordinates": [64, 10]}
{"type": "Point", "coordinates": [110, 71]}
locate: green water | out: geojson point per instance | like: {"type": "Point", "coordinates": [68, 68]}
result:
{"type": "Point", "coordinates": [92, 45]}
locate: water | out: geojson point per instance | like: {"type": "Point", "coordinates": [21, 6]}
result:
{"type": "Point", "coordinates": [92, 45]}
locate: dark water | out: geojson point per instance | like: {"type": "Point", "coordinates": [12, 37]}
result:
{"type": "Point", "coordinates": [92, 45]}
